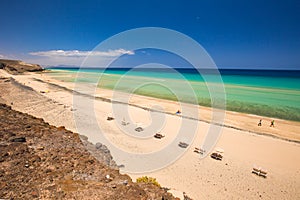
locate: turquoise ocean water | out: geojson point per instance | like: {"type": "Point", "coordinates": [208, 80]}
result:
{"type": "Point", "coordinates": [271, 93]}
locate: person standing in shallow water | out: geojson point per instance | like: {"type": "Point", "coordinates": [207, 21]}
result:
{"type": "Point", "coordinates": [272, 123]}
{"type": "Point", "coordinates": [259, 123]}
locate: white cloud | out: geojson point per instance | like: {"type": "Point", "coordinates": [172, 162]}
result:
{"type": "Point", "coordinates": [77, 53]}
{"type": "Point", "coordinates": [75, 57]}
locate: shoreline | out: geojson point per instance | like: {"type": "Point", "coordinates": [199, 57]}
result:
{"type": "Point", "coordinates": [279, 110]}
{"type": "Point", "coordinates": [169, 113]}
{"type": "Point", "coordinates": [246, 121]}
{"type": "Point", "coordinates": [199, 178]}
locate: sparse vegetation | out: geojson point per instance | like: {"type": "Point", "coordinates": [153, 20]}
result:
{"type": "Point", "coordinates": [146, 179]}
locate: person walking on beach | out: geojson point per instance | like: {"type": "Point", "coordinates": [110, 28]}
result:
{"type": "Point", "coordinates": [259, 123]}
{"type": "Point", "coordinates": [272, 123]}
{"type": "Point", "coordinates": [178, 112]}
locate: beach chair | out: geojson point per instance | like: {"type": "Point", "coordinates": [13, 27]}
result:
{"type": "Point", "coordinates": [158, 136]}
{"type": "Point", "coordinates": [216, 156]}
{"type": "Point", "coordinates": [183, 145]}
{"type": "Point", "coordinates": [139, 129]}
{"type": "Point", "coordinates": [259, 171]}
{"type": "Point", "coordinates": [199, 150]}
{"type": "Point", "coordinates": [110, 118]}
{"type": "Point", "coordinates": [263, 173]}
{"type": "Point", "coordinates": [256, 170]}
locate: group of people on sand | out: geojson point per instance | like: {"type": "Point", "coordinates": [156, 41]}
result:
{"type": "Point", "coordinates": [271, 125]}
{"type": "Point", "coordinates": [259, 123]}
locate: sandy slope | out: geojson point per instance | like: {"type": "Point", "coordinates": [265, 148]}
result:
{"type": "Point", "coordinates": [205, 178]}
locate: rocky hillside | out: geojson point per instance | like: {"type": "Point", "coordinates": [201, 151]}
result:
{"type": "Point", "coordinates": [40, 161]}
{"type": "Point", "coordinates": [18, 67]}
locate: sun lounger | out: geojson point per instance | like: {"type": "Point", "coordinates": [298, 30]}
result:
{"type": "Point", "coordinates": [263, 173]}
{"type": "Point", "coordinates": [199, 150]}
{"type": "Point", "coordinates": [158, 136]}
{"type": "Point", "coordinates": [255, 171]}
{"type": "Point", "coordinates": [110, 118]}
{"type": "Point", "coordinates": [216, 156]}
{"type": "Point", "coordinates": [139, 129]}
{"type": "Point", "coordinates": [260, 172]}
{"type": "Point", "coordinates": [183, 145]}
{"type": "Point", "coordinates": [196, 150]}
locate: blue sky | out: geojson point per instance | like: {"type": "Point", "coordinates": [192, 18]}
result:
{"type": "Point", "coordinates": [236, 34]}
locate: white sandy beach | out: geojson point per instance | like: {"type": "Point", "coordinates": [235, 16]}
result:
{"type": "Point", "coordinates": [205, 178]}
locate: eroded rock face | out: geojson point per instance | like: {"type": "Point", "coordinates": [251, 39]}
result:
{"type": "Point", "coordinates": [41, 161]}
{"type": "Point", "coordinates": [18, 67]}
